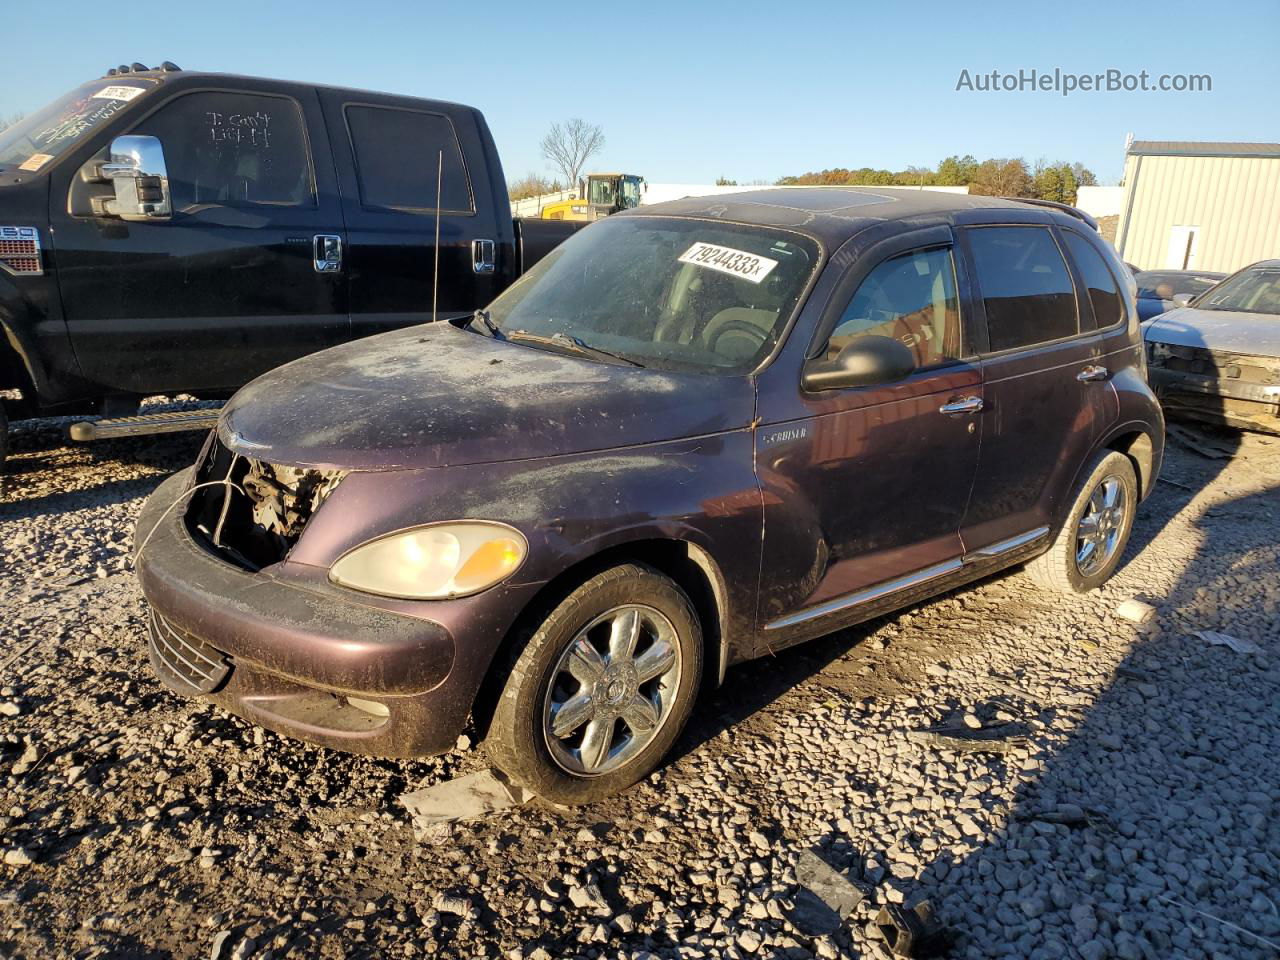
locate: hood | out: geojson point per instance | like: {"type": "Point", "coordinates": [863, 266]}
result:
{"type": "Point", "coordinates": [1226, 331]}
{"type": "Point", "coordinates": [436, 395]}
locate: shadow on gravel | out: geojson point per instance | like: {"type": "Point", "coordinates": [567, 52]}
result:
{"type": "Point", "coordinates": [41, 483]}
{"type": "Point", "coordinates": [1152, 832]}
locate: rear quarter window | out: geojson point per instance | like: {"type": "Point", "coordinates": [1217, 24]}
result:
{"type": "Point", "coordinates": [1104, 295]}
{"type": "Point", "coordinates": [397, 156]}
{"type": "Point", "coordinates": [1026, 287]}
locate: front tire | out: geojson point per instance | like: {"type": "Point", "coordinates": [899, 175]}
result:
{"type": "Point", "coordinates": [1090, 544]}
{"type": "Point", "coordinates": [601, 690]}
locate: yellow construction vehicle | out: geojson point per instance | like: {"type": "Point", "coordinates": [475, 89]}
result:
{"type": "Point", "coordinates": [599, 195]}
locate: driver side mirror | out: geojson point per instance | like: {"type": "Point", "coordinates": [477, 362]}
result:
{"type": "Point", "coordinates": [1182, 299]}
{"type": "Point", "coordinates": [864, 362]}
{"type": "Point", "coordinates": [141, 180]}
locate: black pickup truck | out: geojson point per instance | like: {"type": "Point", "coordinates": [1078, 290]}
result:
{"type": "Point", "coordinates": [164, 231]}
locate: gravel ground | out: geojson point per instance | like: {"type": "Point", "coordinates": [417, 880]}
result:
{"type": "Point", "coordinates": [1129, 808]}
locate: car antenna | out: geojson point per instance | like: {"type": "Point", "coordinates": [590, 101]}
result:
{"type": "Point", "coordinates": [435, 280]}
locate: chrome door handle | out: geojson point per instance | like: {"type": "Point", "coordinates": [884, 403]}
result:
{"type": "Point", "coordinates": [483, 256]}
{"type": "Point", "coordinates": [963, 405]}
{"type": "Point", "coordinates": [327, 253]}
{"type": "Point", "coordinates": [1093, 372]}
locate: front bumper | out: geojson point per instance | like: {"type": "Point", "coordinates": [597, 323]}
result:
{"type": "Point", "coordinates": [292, 657]}
{"type": "Point", "coordinates": [1236, 403]}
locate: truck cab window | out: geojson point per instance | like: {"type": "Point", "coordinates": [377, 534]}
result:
{"type": "Point", "coordinates": [234, 150]}
{"type": "Point", "coordinates": [397, 159]}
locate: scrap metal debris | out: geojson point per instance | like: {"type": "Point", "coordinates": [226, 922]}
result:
{"type": "Point", "coordinates": [1237, 644]}
{"type": "Point", "coordinates": [826, 896]}
{"type": "Point", "coordinates": [1135, 611]}
{"type": "Point", "coordinates": [1200, 443]}
{"type": "Point", "coordinates": [996, 738]}
{"type": "Point", "coordinates": [475, 795]}
{"type": "Point", "coordinates": [913, 932]}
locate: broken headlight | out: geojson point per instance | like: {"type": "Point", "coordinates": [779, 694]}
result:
{"type": "Point", "coordinates": [433, 562]}
{"type": "Point", "coordinates": [1158, 353]}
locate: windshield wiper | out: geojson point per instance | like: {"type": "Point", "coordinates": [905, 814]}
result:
{"type": "Point", "coordinates": [572, 343]}
{"type": "Point", "coordinates": [494, 330]}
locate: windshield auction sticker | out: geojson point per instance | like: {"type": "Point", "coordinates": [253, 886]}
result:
{"type": "Point", "coordinates": [736, 263]}
{"type": "Point", "coordinates": [118, 93]}
{"type": "Point", "coordinates": [35, 162]}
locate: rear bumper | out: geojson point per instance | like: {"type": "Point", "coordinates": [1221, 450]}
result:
{"type": "Point", "coordinates": [291, 657]}
{"type": "Point", "coordinates": [1236, 403]}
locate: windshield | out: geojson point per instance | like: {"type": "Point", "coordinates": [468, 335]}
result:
{"type": "Point", "coordinates": [1154, 285]}
{"type": "Point", "coordinates": [1251, 291]}
{"type": "Point", "coordinates": [677, 294]}
{"type": "Point", "coordinates": [36, 141]}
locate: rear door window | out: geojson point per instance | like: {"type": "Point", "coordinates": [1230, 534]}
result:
{"type": "Point", "coordinates": [234, 150]}
{"type": "Point", "coordinates": [1026, 287]}
{"type": "Point", "coordinates": [398, 155]}
{"type": "Point", "coordinates": [1104, 295]}
{"type": "Point", "coordinates": [912, 298]}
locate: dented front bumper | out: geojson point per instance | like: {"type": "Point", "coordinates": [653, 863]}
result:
{"type": "Point", "coordinates": [301, 658]}
{"type": "Point", "coordinates": [1223, 400]}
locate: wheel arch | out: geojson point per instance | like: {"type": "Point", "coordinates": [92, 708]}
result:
{"type": "Point", "coordinates": [689, 565]}
{"type": "Point", "coordinates": [1135, 442]}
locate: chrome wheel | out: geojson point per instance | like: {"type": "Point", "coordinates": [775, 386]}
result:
{"type": "Point", "coordinates": [1099, 529]}
{"type": "Point", "coordinates": [611, 690]}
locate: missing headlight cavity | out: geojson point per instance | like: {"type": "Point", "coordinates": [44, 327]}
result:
{"type": "Point", "coordinates": [257, 510]}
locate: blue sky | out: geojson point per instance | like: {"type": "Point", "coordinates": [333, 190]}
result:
{"type": "Point", "coordinates": [690, 91]}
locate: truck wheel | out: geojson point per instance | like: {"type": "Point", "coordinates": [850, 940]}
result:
{"type": "Point", "coordinates": [601, 690]}
{"type": "Point", "coordinates": [1088, 548]}
{"type": "Point", "coordinates": [4, 436]}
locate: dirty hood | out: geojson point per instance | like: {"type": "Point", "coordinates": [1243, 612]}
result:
{"type": "Point", "coordinates": [437, 395]}
{"type": "Point", "coordinates": [1225, 331]}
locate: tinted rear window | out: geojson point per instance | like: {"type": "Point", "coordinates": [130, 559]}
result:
{"type": "Point", "coordinates": [1026, 288]}
{"type": "Point", "coordinates": [1108, 309]}
{"type": "Point", "coordinates": [397, 154]}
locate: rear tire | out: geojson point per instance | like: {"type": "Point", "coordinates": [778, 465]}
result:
{"type": "Point", "coordinates": [1089, 546]}
{"type": "Point", "coordinates": [601, 690]}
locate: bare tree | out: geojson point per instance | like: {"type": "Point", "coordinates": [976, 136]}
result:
{"type": "Point", "coordinates": [569, 145]}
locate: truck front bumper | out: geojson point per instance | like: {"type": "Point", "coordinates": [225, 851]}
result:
{"type": "Point", "coordinates": [304, 660]}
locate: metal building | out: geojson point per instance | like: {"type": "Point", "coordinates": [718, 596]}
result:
{"type": "Point", "coordinates": [1199, 206]}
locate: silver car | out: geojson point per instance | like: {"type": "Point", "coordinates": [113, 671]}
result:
{"type": "Point", "coordinates": [1218, 358]}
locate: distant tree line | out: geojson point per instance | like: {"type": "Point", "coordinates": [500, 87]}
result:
{"type": "Point", "coordinates": [532, 185]}
{"type": "Point", "coordinates": [997, 177]}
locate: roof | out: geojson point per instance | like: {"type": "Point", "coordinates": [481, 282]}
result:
{"type": "Point", "coordinates": [834, 214]}
{"type": "Point", "coordinates": [1203, 148]}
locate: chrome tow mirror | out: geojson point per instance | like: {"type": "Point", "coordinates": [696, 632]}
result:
{"type": "Point", "coordinates": [141, 179]}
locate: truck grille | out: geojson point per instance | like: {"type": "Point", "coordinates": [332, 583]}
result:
{"type": "Point", "coordinates": [185, 663]}
{"type": "Point", "coordinates": [252, 512]}
{"type": "Point", "coordinates": [20, 251]}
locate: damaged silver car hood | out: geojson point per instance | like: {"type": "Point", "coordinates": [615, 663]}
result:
{"type": "Point", "coordinates": [1222, 331]}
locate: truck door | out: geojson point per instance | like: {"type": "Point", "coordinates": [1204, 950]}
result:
{"type": "Point", "coordinates": [388, 151]}
{"type": "Point", "coordinates": [230, 285]}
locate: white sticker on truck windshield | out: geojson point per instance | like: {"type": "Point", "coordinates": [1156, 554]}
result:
{"type": "Point", "coordinates": [736, 263]}
{"type": "Point", "coordinates": [35, 162]}
{"type": "Point", "coordinates": [118, 93]}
